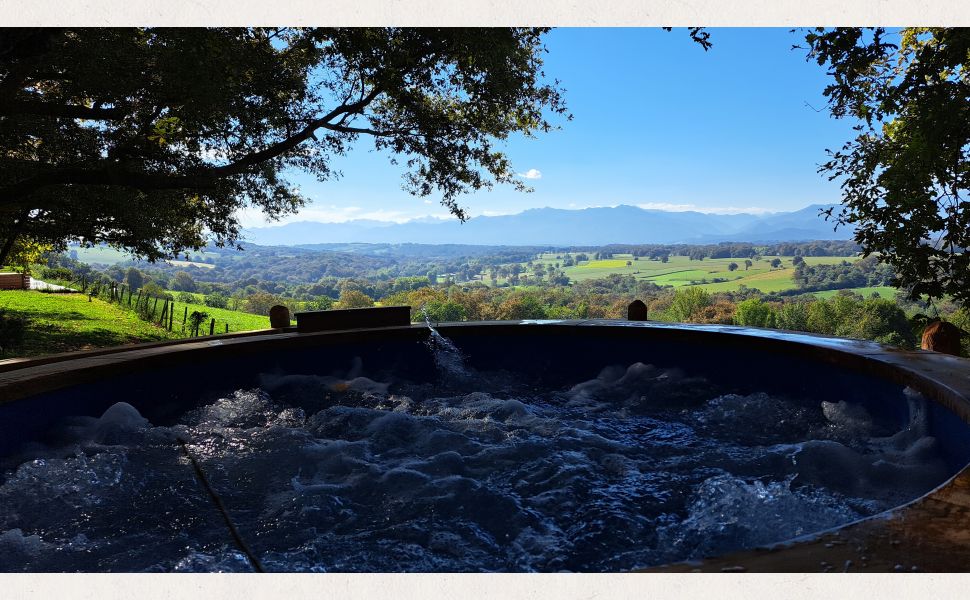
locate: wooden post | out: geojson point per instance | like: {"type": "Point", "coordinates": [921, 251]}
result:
{"type": "Point", "coordinates": [185, 317]}
{"type": "Point", "coordinates": [212, 327]}
{"type": "Point", "coordinates": [227, 327]}
{"type": "Point", "coordinates": [171, 314]}
{"type": "Point", "coordinates": [154, 306]}
{"type": "Point", "coordinates": [162, 321]}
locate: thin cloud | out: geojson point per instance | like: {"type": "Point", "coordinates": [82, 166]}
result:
{"type": "Point", "coordinates": [532, 174]}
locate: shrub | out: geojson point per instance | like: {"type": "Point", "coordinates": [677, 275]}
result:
{"type": "Point", "coordinates": [688, 301]}
{"type": "Point", "coordinates": [445, 311]}
{"type": "Point", "coordinates": [216, 301]}
{"type": "Point", "coordinates": [350, 298]}
{"type": "Point", "coordinates": [56, 273]}
{"type": "Point", "coordinates": [793, 316]}
{"type": "Point", "coordinates": [754, 313]}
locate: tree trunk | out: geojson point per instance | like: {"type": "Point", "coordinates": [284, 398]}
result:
{"type": "Point", "coordinates": [7, 247]}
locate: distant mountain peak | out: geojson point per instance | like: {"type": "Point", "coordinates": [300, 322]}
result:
{"type": "Point", "coordinates": [591, 226]}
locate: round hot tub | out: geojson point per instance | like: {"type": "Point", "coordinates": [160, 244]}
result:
{"type": "Point", "coordinates": [506, 446]}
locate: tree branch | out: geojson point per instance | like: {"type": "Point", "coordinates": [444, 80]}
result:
{"type": "Point", "coordinates": [289, 143]}
{"type": "Point", "coordinates": [105, 176]}
{"type": "Point", "coordinates": [46, 109]}
{"type": "Point", "coordinates": [108, 175]}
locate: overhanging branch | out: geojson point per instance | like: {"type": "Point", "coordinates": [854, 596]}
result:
{"type": "Point", "coordinates": [69, 111]}
{"type": "Point", "coordinates": [110, 175]}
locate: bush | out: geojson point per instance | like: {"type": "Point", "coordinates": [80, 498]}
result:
{"type": "Point", "coordinates": [445, 311]}
{"type": "Point", "coordinates": [793, 316]}
{"type": "Point", "coordinates": [754, 313]}
{"type": "Point", "coordinates": [56, 273]}
{"type": "Point", "coordinates": [196, 319]}
{"type": "Point", "coordinates": [319, 303]}
{"type": "Point", "coordinates": [521, 306]}
{"type": "Point", "coordinates": [154, 290]}
{"type": "Point", "coordinates": [185, 298]}
{"type": "Point", "coordinates": [350, 298]}
{"type": "Point", "coordinates": [259, 303]}
{"type": "Point", "coordinates": [721, 312]}
{"type": "Point", "coordinates": [215, 300]}
{"type": "Point", "coordinates": [687, 302]}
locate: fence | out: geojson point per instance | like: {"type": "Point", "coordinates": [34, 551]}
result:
{"type": "Point", "coordinates": [160, 310]}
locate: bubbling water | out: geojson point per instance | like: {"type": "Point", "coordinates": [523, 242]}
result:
{"type": "Point", "coordinates": [638, 466]}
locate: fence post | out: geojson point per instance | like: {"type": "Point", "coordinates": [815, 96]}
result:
{"type": "Point", "coordinates": [212, 327]}
{"type": "Point", "coordinates": [227, 327]}
{"type": "Point", "coordinates": [164, 319]}
{"type": "Point", "coordinates": [185, 317]}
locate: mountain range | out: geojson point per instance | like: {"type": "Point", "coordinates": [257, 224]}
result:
{"type": "Point", "coordinates": [560, 227]}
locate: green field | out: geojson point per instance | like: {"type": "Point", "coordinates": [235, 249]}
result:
{"type": "Point", "coordinates": [69, 322]}
{"type": "Point", "coordinates": [237, 321]}
{"type": "Point", "coordinates": [680, 271]}
{"type": "Point", "coordinates": [883, 291]}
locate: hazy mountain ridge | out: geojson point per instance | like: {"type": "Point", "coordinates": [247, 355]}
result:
{"type": "Point", "coordinates": [553, 226]}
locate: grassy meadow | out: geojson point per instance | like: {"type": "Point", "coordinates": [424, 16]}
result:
{"type": "Point", "coordinates": [681, 270]}
{"type": "Point", "coordinates": [69, 322]}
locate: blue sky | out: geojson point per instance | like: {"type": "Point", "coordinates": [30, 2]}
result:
{"type": "Point", "coordinates": [657, 123]}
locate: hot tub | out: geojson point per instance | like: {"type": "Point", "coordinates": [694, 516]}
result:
{"type": "Point", "coordinates": [608, 374]}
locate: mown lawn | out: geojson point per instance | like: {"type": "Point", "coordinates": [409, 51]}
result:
{"type": "Point", "coordinates": [69, 322]}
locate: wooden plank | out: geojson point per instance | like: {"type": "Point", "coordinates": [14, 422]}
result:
{"type": "Point", "coordinates": [353, 318]}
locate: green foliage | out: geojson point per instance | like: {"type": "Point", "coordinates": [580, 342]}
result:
{"type": "Point", "coordinates": [56, 323]}
{"type": "Point", "coordinates": [521, 306]}
{"type": "Point", "coordinates": [687, 302]}
{"type": "Point", "coordinates": [152, 139]}
{"type": "Point", "coordinates": [26, 252]}
{"type": "Point", "coordinates": [183, 282]}
{"type": "Point", "coordinates": [355, 299]}
{"type": "Point", "coordinates": [134, 278]}
{"type": "Point", "coordinates": [754, 313]}
{"type": "Point", "coordinates": [883, 321]}
{"type": "Point", "coordinates": [196, 319]}
{"type": "Point", "coordinates": [904, 177]}
{"type": "Point", "coordinates": [793, 316]}
{"type": "Point", "coordinates": [259, 303]}
{"type": "Point", "coordinates": [319, 303]}
{"type": "Point", "coordinates": [185, 297]}
{"type": "Point", "coordinates": [153, 290]}
{"type": "Point", "coordinates": [822, 317]}
{"type": "Point", "coordinates": [216, 301]}
{"type": "Point", "coordinates": [445, 311]}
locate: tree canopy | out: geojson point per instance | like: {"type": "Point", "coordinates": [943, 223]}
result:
{"type": "Point", "coordinates": [151, 139]}
{"type": "Point", "coordinates": [905, 177]}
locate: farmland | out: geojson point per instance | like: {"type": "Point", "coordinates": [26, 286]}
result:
{"type": "Point", "coordinates": [710, 274]}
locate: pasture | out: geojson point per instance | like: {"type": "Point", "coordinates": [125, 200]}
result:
{"type": "Point", "coordinates": [69, 322]}
{"type": "Point", "coordinates": [711, 274]}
